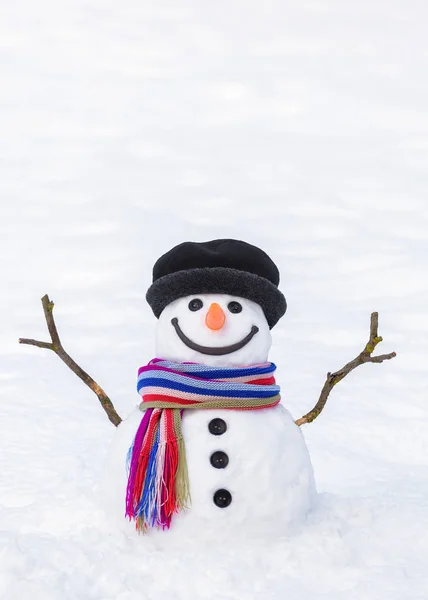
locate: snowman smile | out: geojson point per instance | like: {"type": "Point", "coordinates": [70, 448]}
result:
{"type": "Point", "coordinates": [214, 350]}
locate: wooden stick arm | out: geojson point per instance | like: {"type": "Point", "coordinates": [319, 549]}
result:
{"type": "Point", "coordinates": [56, 346]}
{"type": "Point", "coordinates": [333, 378]}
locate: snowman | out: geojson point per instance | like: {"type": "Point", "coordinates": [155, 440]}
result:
{"type": "Point", "coordinates": [211, 448]}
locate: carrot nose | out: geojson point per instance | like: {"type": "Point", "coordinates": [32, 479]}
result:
{"type": "Point", "coordinates": [215, 317]}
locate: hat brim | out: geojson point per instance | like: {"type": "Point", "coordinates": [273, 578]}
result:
{"type": "Point", "coordinates": [218, 280]}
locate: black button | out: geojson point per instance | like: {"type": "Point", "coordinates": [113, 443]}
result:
{"type": "Point", "coordinates": [219, 459]}
{"type": "Point", "coordinates": [222, 498]}
{"type": "Point", "coordinates": [217, 426]}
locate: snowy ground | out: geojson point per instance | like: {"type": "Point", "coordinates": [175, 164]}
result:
{"type": "Point", "coordinates": [298, 126]}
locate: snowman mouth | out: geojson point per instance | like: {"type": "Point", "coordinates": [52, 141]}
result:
{"type": "Point", "coordinates": [214, 350]}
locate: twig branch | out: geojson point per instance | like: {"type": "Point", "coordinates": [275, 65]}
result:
{"type": "Point", "coordinates": [333, 378]}
{"type": "Point", "coordinates": [57, 347]}
{"type": "Point", "coordinates": [47, 345]}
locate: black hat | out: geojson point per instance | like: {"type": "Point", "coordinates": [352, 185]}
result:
{"type": "Point", "coordinates": [217, 267]}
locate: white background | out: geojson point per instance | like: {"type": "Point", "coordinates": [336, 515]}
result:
{"type": "Point", "coordinates": [299, 126]}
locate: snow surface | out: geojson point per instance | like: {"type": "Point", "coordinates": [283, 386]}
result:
{"type": "Point", "coordinates": [298, 126]}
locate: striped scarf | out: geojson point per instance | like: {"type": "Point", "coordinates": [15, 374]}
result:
{"type": "Point", "coordinates": [158, 484]}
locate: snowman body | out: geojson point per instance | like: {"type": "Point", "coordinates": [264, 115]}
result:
{"type": "Point", "coordinates": [249, 470]}
{"type": "Point", "coordinates": [269, 475]}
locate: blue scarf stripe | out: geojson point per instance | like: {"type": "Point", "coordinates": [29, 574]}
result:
{"type": "Point", "coordinates": [149, 482]}
{"type": "Point", "coordinates": [206, 372]}
{"type": "Point", "coordinates": [162, 377]}
{"type": "Point", "coordinates": [185, 379]}
{"type": "Point", "coordinates": [253, 391]}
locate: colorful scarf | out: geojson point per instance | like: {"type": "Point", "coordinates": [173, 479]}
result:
{"type": "Point", "coordinates": [158, 483]}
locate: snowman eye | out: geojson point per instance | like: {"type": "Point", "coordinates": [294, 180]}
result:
{"type": "Point", "coordinates": [234, 307]}
{"type": "Point", "coordinates": [195, 304]}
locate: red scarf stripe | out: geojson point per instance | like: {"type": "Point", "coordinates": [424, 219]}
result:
{"type": "Point", "coordinates": [269, 381]}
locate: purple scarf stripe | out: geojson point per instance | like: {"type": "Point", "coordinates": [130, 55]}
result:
{"type": "Point", "coordinates": [136, 449]}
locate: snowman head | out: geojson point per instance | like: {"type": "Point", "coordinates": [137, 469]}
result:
{"type": "Point", "coordinates": [213, 329]}
{"type": "Point", "coordinates": [216, 303]}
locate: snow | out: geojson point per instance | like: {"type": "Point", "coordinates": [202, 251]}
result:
{"type": "Point", "coordinates": [300, 127]}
